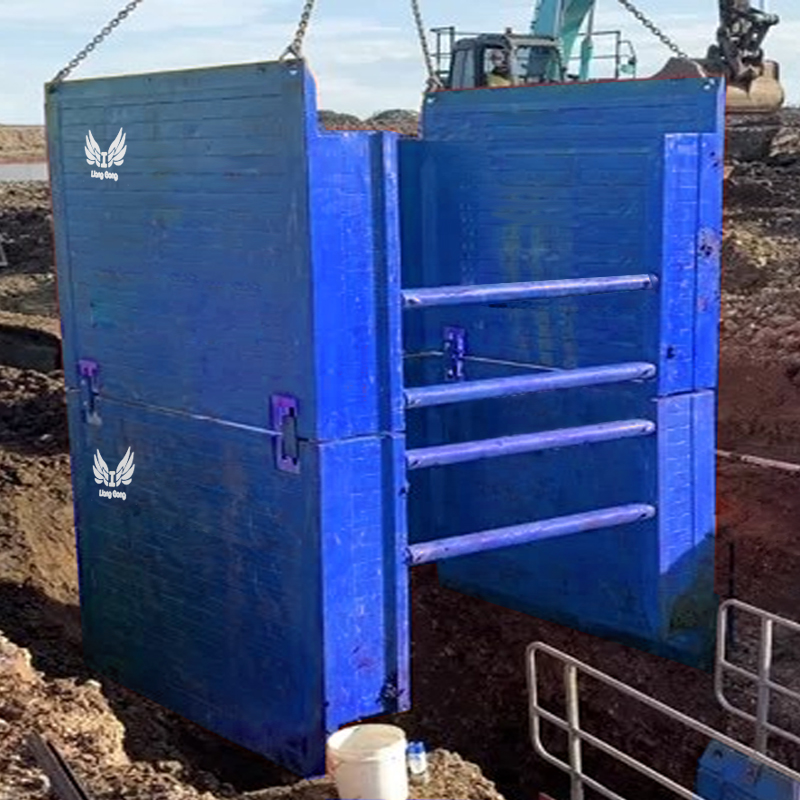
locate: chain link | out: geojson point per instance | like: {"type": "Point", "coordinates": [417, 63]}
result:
{"type": "Point", "coordinates": [653, 28]}
{"type": "Point", "coordinates": [433, 79]}
{"type": "Point", "coordinates": [105, 31]}
{"type": "Point", "coordinates": [296, 47]}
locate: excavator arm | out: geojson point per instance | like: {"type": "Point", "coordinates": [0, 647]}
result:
{"type": "Point", "coordinates": [561, 20]}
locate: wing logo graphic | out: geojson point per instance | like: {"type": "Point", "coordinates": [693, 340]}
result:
{"type": "Point", "coordinates": [121, 476]}
{"type": "Point", "coordinates": [105, 158]}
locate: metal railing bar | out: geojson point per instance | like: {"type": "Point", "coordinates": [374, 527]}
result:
{"type": "Point", "coordinates": [731, 709]}
{"type": "Point", "coordinates": [460, 294]}
{"type": "Point", "coordinates": [764, 669]}
{"type": "Point", "coordinates": [497, 538]}
{"type": "Point", "coordinates": [762, 678]}
{"type": "Point", "coordinates": [775, 687]}
{"type": "Point", "coordinates": [609, 750]}
{"type": "Point", "coordinates": [758, 612]}
{"type": "Point", "coordinates": [672, 713]}
{"type": "Point", "coordinates": [587, 779]}
{"type": "Point", "coordinates": [446, 454]}
{"type": "Point", "coordinates": [442, 394]}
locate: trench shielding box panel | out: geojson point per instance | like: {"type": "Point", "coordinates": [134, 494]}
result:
{"type": "Point", "coordinates": [575, 181]}
{"type": "Point", "coordinates": [240, 254]}
{"type": "Point", "coordinates": [255, 603]}
{"type": "Point", "coordinates": [571, 182]}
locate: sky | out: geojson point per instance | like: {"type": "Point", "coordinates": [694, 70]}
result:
{"type": "Point", "coordinates": [365, 56]}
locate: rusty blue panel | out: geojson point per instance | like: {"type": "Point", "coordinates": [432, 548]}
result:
{"type": "Point", "coordinates": [240, 255]}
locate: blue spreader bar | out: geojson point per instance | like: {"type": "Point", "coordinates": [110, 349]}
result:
{"type": "Point", "coordinates": [532, 290]}
{"type": "Point", "coordinates": [441, 394]}
{"type": "Point", "coordinates": [480, 542]}
{"type": "Point", "coordinates": [442, 455]}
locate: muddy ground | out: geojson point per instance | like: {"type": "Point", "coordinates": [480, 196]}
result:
{"type": "Point", "coordinates": [469, 690]}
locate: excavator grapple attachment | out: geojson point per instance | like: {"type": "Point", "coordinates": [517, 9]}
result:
{"type": "Point", "coordinates": [761, 95]}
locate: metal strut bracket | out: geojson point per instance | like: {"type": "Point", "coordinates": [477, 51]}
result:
{"type": "Point", "coordinates": [455, 349]}
{"type": "Point", "coordinates": [87, 372]}
{"type": "Point", "coordinates": [284, 422]}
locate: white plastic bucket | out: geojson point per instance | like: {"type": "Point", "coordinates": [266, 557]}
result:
{"type": "Point", "coordinates": [368, 762]}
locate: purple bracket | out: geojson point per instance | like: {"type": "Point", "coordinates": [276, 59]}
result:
{"type": "Point", "coordinates": [284, 422]}
{"type": "Point", "coordinates": [88, 371]}
{"type": "Point", "coordinates": [455, 349]}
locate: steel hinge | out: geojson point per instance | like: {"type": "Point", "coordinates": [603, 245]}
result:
{"type": "Point", "coordinates": [284, 422]}
{"type": "Point", "coordinates": [90, 389]}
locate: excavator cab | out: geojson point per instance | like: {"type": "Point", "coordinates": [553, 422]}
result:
{"type": "Point", "coordinates": [475, 60]}
{"type": "Point", "coordinates": [493, 60]}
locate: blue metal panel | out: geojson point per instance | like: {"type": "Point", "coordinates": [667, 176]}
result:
{"type": "Point", "coordinates": [677, 313]}
{"type": "Point", "coordinates": [555, 182]}
{"type": "Point", "coordinates": [724, 774]}
{"type": "Point", "coordinates": [650, 584]}
{"type": "Point", "coordinates": [708, 305]}
{"type": "Point", "coordinates": [208, 237]}
{"type": "Point", "coordinates": [561, 183]}
{"type": "Point", "coordinates": [355, 247]}
{"type": "Point", "coordinates": [240, 254]}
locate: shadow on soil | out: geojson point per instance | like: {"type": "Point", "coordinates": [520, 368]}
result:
{"type": "Point", "coordinates": [51, 631]}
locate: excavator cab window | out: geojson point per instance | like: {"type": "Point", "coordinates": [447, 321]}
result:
{"type": "Point", "coordinates": [462, 74]}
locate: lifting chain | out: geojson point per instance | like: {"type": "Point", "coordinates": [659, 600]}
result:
{"type": "Point", "coordinates": [433, 78]}
{"type": "Point", "coordinates": [295, 49]}
{"type": "Point", "coordinates": [653, 28]}
{"type": "Point", "coordinates": [105, 31]}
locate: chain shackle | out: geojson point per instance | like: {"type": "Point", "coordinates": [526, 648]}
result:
{"type": "Point", "coordinates": [104, 32]}
{"type": "Point", "coordinates": [295, 49]}
{"type": "Point", "coordinates": [653, 28]}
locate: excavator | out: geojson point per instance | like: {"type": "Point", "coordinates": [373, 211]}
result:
{"type": "Point", "coordinates": [547, 54]}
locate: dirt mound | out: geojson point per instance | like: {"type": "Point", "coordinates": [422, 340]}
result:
{"type": "Point", "coordinates": [22, 143]}
{"type": "Point", "coordinates": [26, 228]}
{"type": "Point", "coordinates": [75, 714]}
{"type": "Point", "coordinates": [401, 121]}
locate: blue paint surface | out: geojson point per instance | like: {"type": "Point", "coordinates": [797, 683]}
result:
{"type": "Point", "coordinates": [724, 773]}
{"type": "Point", "coordinates": [572, 183]}
{"type": "Point", "coordinates": [240, 254]}
{"type": "Point", "coordinates": [243, 254]}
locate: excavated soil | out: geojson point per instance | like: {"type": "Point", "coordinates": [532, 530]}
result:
{"type": "Point", "coordinates": [469, 690]}
{"type": "Point", "coordinates": [21, 144]}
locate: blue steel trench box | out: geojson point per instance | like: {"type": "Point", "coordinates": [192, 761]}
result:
{"type": "Point", "coordinates": [319, 358]}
